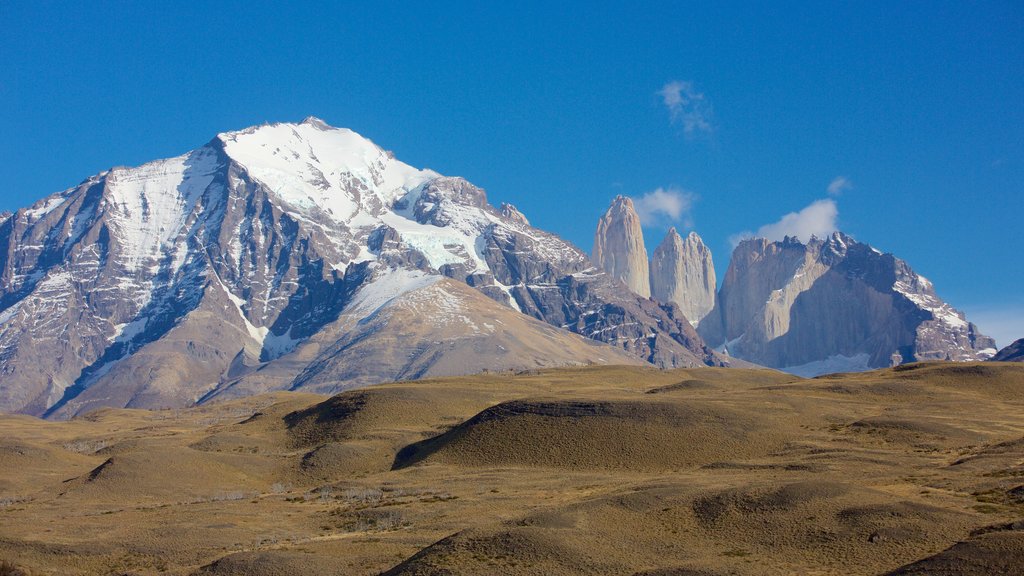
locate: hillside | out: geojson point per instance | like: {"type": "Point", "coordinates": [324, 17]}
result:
{"type": "Point", "coordinates": [612, 470]}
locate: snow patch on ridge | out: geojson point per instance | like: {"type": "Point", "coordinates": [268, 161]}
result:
{"type": "Point", "coordinates": [442, 308]}
{"type": "Point", "coordinates": [831, 365]}
{"type": "Point", "coordinates": [385, 288]}
{"type": "Point", "coordinates": [940, 310]}
{"type": "Point", "coordinates": [153, 203]}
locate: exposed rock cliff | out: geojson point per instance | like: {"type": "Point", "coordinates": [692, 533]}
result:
{"type": "Point", "coordinates": [619, 246]}
{"type": "Point", "coordinates": [682, 272]}
{"type": "Point", "coordinates": [834, 305]}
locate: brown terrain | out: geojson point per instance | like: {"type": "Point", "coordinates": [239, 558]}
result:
{"type": "Point", "coordinates": [600, 470]}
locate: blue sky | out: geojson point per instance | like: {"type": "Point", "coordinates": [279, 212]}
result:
{"type": "Point", "coordinates": [738, 114]}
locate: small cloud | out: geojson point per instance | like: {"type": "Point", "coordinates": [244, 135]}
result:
{"type": "Point", "coordinates": [687, 107]}
{"type": "Point", "coordinates": [838, 185]}
{"type": "Point", "coordinates": [664, 203]}
{"type": "Point", "coordinates": [817, 219]}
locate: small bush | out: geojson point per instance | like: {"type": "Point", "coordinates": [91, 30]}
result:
{"type": "Point", "coordinates": [85, 446]}
{"type": "Point", "coordinates": [8, 569]}
{"type": "Point", "coordinates": [363, 495]}
{"type": "Point", "coordinates": [227, 496]}
{"type": "Point", "coordinates": [377, 521]}
{"type": "Point", "coordinates": [6, 501]}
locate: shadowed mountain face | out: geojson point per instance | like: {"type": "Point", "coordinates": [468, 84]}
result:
{"type": "Point", "coordinates": [834, 305]}
{"type": "Point", "coordinates": [267, 254]}
{"type": "Point", "coordinates": [1012, 353]}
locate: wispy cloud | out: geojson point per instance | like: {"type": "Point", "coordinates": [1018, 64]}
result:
{"type": "Point", "coordinates": [838, 185]}
{"type": "Point", "coordinates": [817, 219]}
{"type": "Point", "coordinates": [687, 107]}
{"type": "Point", "coordinates": [663, 204]}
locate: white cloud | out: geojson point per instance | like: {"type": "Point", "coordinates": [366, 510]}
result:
{"type": "Point", "coordinates": [838, 185]}
{"type": "Point", "coordinates": [817, 219]}
{"type": "Point", "coordinates": [687, 107]}
{"type": "Point", "coordinates": [664, 203]}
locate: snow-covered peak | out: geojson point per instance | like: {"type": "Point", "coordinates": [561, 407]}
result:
{"type": "Point", "coordinates": [314, 165]}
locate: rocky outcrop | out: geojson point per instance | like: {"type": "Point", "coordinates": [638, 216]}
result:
{"type": "Point", "coordinates": [512, 213]}
{"type": "Point", "coordinates": [834, 305]}
{"type": "Point", "coordinates": [273, 252]}
{"type": "Point", "coordinates": [683, 273]}
{"type": "Point", "coordinates": [1012, 353]}
{"type": "Point", "coordinates": [619, 246]}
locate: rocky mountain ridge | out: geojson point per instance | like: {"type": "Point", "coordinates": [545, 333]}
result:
{"type": "Point", "coordinates": [683, 273]}
{"type": "Point", "coordinates": [619, 246]}
{"type": "Point", "coordinates": [680, 271]}
{"type": "Point", "coordinates": [831, 305]}
{"type": "Point", "coordinates": [1012, 353]}
{"type": "Point", "coordinates": [170, 283]}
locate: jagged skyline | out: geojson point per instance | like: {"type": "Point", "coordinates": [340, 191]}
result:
{"type": "Point", "coordinates": [901, 125]}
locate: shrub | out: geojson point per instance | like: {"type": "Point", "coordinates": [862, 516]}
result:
{"type": "Point", "coordinates": [8, 569]}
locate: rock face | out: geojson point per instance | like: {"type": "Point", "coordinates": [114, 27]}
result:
{"type": "Point", "coordinates": [619, 246]}
{"type": "Point", "coordinates": [269, 259]}
{"type": "Point", "coordinates": [1012, 353]}
{"type": "Point", "coordinates": [683, 273]}
{"type": "Point", "coordinates": [834, 305]}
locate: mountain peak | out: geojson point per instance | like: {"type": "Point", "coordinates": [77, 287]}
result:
{"type": "Point", "coordinates": [276, 250]}
{"type": "Point", "coordinates": [512, 213]}
{"type": "Point", "coordinates": [622, 203]}
{"type": "Point", "coordinates": [835, 304]}
{"type": "Point", "coordinates": [619, 246]}
{"type": "Point", "coordinates": [312, 165]}
{"type": "Point", "coordinates": [317, 123]}
{"type": "Point", "coordinates": [683, 272]}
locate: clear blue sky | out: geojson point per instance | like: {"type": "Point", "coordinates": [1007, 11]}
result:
{"type": "Point", "coordinates": [558, 109]}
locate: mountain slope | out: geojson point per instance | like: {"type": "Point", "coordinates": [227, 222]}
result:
{"type": "Point", "coordinates": [156, 285]}
{"type": "Point", "coordinates": [440, 328]}
{"type": "Point", "coordinates": [1012, 353]}
{"type": "Point", "coordinates": [834, 305]}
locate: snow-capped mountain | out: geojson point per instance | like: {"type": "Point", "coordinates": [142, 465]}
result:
{"type": "Point", "coordinates": [834, 305]}
{"type": "Point", "coordinates": [286, 256]}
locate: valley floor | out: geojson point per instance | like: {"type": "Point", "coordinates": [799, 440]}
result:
{"type": "Point", "coordinates": [914, 470]}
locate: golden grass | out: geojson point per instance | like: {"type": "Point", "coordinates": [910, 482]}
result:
{"type": "Point", "coordinates": [613, 470]}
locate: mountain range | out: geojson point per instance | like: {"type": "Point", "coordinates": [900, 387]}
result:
{"type": "Point", "coordinates": [828, 305]}
{"type": "Point", "coordinates": [299, 256]}
{"type": "Point", "coordinates": [295, 256]}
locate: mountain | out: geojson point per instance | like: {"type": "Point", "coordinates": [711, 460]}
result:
{"type": "Point", "coordinates": [619, 246]}
{"type": "Point", "coordinates": [1012, 353]}
{"type": "Point", "coordinates": [832, 305]}
{"type": "Point", "coordinates": [683, 272]}
{"type": "Point", "coordinates": [294, 256]}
